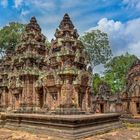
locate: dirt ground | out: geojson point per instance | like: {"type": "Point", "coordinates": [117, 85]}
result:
{"type": "Point", "coordinates": [120, 134]}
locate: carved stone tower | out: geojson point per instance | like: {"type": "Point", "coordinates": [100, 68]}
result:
{"type": "Point", "coordinates": [67, 82]}
{"type": "Point", "coordinates": [131, 95]}
{"type": "Point", "coordinates": [27, 66]}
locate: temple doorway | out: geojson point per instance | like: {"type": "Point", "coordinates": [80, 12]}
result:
{"type": "Point", "coordinates": [80, 99]}
{"type": "Point", "coordinates": [138, 107]}
{"type": "Point", "coordinates": [101, 108]}
{"type": "Point", "coordinates": [40, 98]}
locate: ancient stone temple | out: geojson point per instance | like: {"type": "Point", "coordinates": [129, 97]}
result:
{"type": "Point", "coordinates": [67, 83]}
{"type": "Point", "coordinates": [49, 90]}
{"type": "Point", "coordinates": [104, 101]}
{"type": "Point", "coordinates": [58, 81]}
{"type": "Point", "coordinates": [131, 95]}
{"type": "Point", "coordinates": [101, 99]}
{"type": "Point", "coordinates": [5, 69]}
{"type": "Point", "coordinates": [22, 69]}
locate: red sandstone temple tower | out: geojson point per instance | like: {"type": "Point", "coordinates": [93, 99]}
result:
{"type": "Point", "coordinates": [131, 95]}
{"type": "Point", "coordinates": [67, 83]}
{"type": "Point", "coordinates": [27, 66]}
{"type": "Point", "coordinates": [39, 85]}
{"type": "Point", "coordinates": [54, 81]}
{"type": "Point", "coordinates": [5, 69]}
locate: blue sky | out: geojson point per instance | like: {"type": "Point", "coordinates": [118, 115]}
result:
{"type": "Point", "coordinates": [119, 18]}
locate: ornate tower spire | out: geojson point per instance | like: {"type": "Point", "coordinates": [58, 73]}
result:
{"type": "Point", "coordinates": [66, 28]}
{"type": "Point", "coordinates": [28, 65]}
{"type": "Point", "coordinates": [66, 23]}
{"type": "Point", "coordinates": [67, 81]}
{"type": "Point", "coordinates": [33, 32]}
{"type": "Point", "coordinates": [33, 25]}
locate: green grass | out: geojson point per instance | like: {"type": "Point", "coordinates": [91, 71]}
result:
{"type": "Point", "coordinates": [132, 124]}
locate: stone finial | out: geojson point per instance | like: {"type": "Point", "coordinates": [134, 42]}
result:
{"type": "Point", "coordinates": [33, 20]}
{"type": "Point", "coordinates": [66, 22]}
{"type": "Point", "coordinates": [66, 28]}
{"type": "Point", "coordinates": [33, 25]}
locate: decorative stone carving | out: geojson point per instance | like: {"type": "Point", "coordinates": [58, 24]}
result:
{"type": "Point", "coordinates": [131, 95]}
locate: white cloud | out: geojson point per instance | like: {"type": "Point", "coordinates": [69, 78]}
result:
{"type": "Point", "coordinates": [123, 37]}
{"type": "Point", "coordinates": [24, 12]}
{"type": "Point", "coordinates": [4, 3]}
{"type": "Point", "coordinates": [134, 48]}
{"type": "Point", "coordinates": [18, 3]}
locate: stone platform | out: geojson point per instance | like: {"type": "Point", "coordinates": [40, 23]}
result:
{"type": "Point", "coordinates": [131, 119]}
{"type": "Point", "coordinates": [64, 126]}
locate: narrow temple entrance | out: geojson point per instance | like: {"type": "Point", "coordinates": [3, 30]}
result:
{"type": "Point", "coordinates": [80, 99]}
{"type": "Point", "coordinates": [138, 107]}
{"type": "Point", "coordinates": [102, 108]}
{"type": "Point", "coordinates": [41, 98]}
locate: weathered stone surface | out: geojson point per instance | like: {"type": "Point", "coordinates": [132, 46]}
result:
{"type": "Point", "coordinates": [65, 126]}
{"type": "Point", "coordinates": [49, 91]}
{"type": "Point", "coordinates": [42, 80]}
{"type": "Point", "coordinates": [131, 95]}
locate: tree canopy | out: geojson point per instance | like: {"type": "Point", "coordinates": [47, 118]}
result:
{"type": "Point", "coordinates": [97, 80]}
{"type": "Point", "coordinates": [97, 46]}
{"type": "Point", "coordinates": [116, 70]}
{"type": "Point", "coordinates": [10, 35]}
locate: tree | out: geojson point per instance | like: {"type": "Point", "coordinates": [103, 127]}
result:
{"type": "Point", "coordinates": [96, 81]}
{"type": "Point", "coordinates": [10, 35]}
{"type": "Point", "coordinates": [97, 46]}
{"type": "Point", "coordinates": [116, 70]}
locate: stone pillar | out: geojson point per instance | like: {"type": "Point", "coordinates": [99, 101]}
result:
{"type": "Point", "coordinates": [4, 99]}
{"type": "Point", "coordinates": [24, 92]}
{"type": "Point", "coordinates": [45, 96]}
{"type": "Point", "coordinates": [75, 92]}
{"type": "Point", "coordinates": [59, 96]}
{"type": "Point", "coordinates": [133, 108]}
{"type": "Point", "coordinates": [49, 100]}
{"type": "Point", "coordinates": [20, 99]}
{"type": "Point", "coordinates": [34, 93]}
{"type": "Point", "coordinates": [10, 103]}
{"type": "Point", "coordinates": [107, 106]}
{"type": "Point", "coordinates": [85, 100]}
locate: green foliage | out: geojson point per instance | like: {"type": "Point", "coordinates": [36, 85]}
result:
{"type": "Point", "coordinates": [96, 81]}
{"type": "Point", "coordinates": [116, 70]}
{"type": "Point", "coordinates": [97, 46]}
{"type": "Point", "coordinates": [10, 35]}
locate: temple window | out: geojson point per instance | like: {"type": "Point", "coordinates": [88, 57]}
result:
{"type": "Point", "coordinates": [17, 96]}
{"type": "Point", "coordinates": [54, 96]}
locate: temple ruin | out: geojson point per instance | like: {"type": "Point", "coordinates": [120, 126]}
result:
{"type": "Point", "coordinates": [49, 90]}
{"type": "Point", "coordinates": [130, 96]}
{"type": "Point", "coordinates": [104, 101]}
{"type": "Point", "coordinates": [21, 69]}
{"type": "Point", "coordinates": [37, 79]}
